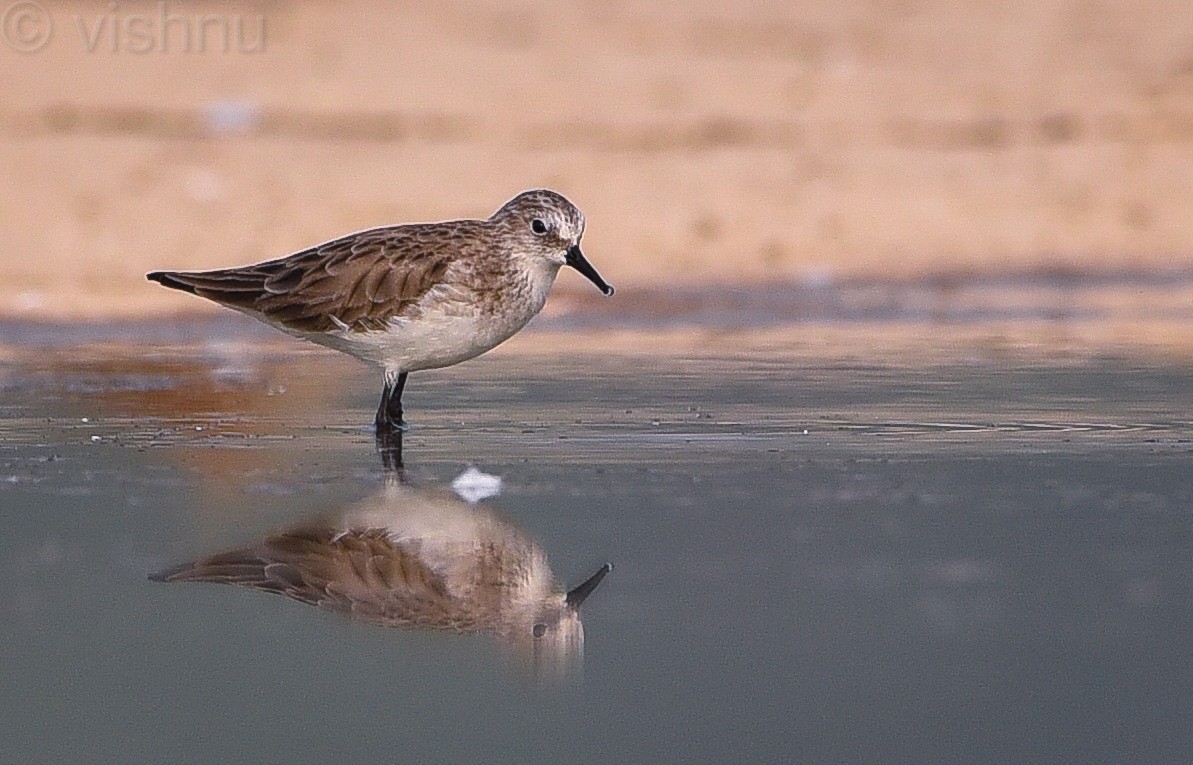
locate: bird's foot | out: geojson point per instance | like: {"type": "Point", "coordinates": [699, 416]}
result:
{"type": "Point", "coordinates": [389, 419]}
{"type": "Point", "coordinates": [387, 425]}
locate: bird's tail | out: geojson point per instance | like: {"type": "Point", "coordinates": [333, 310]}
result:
{"type": "Point", "coordinates": [237, 287]}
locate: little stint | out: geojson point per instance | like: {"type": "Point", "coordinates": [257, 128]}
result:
{"type": "Point", "coordinates": [411, 297]}
{"type": "Point", "coordinates": [418, 558]}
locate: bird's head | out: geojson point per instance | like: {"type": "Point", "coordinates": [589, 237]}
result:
{"type": "Point", "coordinates": [547, 228]}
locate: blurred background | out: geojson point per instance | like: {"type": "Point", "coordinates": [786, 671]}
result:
{"type": "Point", "coordinates": [770, 145]}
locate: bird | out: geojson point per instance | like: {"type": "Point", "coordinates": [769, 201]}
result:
{"type": "Point", "coordinates": [413, 296]}
{"type": "Point", "coordinates": [415, 558]}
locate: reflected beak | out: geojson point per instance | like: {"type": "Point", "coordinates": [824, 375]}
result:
{"type": "Point", "coordinates": [576, 260]}
{"type": "Point", "coordinates": [580, 593]}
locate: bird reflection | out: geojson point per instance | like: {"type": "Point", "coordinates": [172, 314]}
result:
{"type": "Point", "coordinates": [389, 448]}
{"type": "Point", "coordinates": [416, 558]}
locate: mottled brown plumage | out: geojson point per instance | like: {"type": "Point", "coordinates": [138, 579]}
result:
{"type": "Point", "coordinates": [360, 573]}
{"type": "Point", "coordinates": [415, 296]}
{"type": "Point", "coordinates": [361, 281]}
{"type": "Point", "coordinates": [410, 558]}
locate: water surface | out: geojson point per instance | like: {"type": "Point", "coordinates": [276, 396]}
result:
{"type": "Point", "coordinates": [954, 556]}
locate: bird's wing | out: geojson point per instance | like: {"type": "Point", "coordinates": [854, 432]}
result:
{"type": "Point", "coordinates": [359, 281]}
{"type": "Point", "coordinates": [361, 573]}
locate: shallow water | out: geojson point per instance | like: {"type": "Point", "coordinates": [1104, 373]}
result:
{"type": "Point", "coordinates": [974, 557]}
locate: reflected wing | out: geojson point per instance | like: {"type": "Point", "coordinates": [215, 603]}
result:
{"type": "Point", "coordinates": [359, 281]}
{"type": "Point", "coordinates": [359, 573]}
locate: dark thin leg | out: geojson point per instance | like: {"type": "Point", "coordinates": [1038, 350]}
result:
{"type": "Point", "coordinates": [390, 424]}
{"type": "Point", "coordinates": [381, 421]}
{"type": "Point", "coordinates": [389, 411]}
{"type": "Point", "coordinates": [395, 400]}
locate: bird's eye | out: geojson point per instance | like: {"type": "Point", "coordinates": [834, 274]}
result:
{"type": "Point", "coordinates": [538, 226]}
{"type": "Point", "coordinates": [539, 630]}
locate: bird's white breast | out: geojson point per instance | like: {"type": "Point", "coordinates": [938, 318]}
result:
{"type": "Point", "coordinates": [447, 325]}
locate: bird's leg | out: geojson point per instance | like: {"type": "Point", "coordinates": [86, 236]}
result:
{"type": "Point", "coordinates": [389, 427]}
{"type": "Point", "coordinates": [381, 421]}
{"type": "Point", "coordinates": [389, 411]}
{"type": "Point", "coordinates": [395, 401]}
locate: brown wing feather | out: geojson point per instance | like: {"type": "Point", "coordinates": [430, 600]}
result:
{"type": "Point", "coordinates": [362, 280]}
{"type": "Point", "coordinates": [359, 573]}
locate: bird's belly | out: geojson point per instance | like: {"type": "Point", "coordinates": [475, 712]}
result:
{"type": "Point", "coordinates": [433, 340]}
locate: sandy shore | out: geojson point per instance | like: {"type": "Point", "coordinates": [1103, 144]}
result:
{"type": "Point", "coordinates": [775, 141]}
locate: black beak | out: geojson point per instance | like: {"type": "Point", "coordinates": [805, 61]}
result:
{"type": "Point", "coordinates": [580, 593]}
{"type": "Point", "coordinates": [576, 260]}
